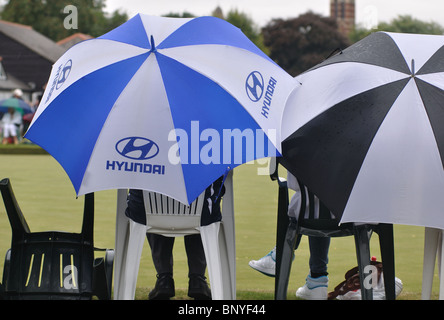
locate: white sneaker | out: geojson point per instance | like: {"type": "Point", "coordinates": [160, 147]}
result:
{"type": "Point", "coordinates": [379, 290]}
{"type": "Point", "coordinates": [266, 264]}
{"type": "Point", "coordinates": [314, 289]}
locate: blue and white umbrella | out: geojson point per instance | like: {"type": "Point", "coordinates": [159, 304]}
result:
{"type": "Point", "coordinates": [14, 103]}
{"type": "Point", "coordinates": [161, 104]}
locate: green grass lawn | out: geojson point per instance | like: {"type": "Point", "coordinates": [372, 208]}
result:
{"type": "Point", "coordinates": [48, 202]}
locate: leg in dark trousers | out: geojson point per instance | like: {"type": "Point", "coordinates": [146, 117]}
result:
{"type": "Point", "coordinates": [197, 264]}
{"type": "Point", "coordinates": [162, 254]}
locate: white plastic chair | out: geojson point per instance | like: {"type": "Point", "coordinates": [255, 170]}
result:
{"type": "Point", "coordinates": [218, 240]}
{"type": "Point", "coordinates": [433, 244]}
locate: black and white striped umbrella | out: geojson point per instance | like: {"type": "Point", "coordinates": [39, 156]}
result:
{"type": "Point", "coordinates": [365, 130]}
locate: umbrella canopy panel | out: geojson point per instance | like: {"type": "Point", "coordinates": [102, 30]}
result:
{"type": "Point", "coordinates": [15, 103]}
{"type": "Point", "coordinates": [367, 136]}
{"type": "Point", "coordinates": [146, 114]}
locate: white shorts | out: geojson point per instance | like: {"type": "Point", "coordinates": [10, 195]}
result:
{"type": "Point", "coordinates": [9, 130]}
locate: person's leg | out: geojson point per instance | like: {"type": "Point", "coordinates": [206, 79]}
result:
{"type": "Point", "coordinates": [12, 128]}
{"type": "Point", "coordinates": [266, 264]}
{"type": "Point", "coordinates": [14, 134]}
{"type": "Point", "coordinates": [316, 284]}
{"type": "Point", "coordinates": [162, 255]}
{"type": "Point", "coordinates": [197, 264]}
{"type": "Point", "coordinates": [319, 247]}
{"type": "Point", "coordinates": [161, 252]}
{"type": "Point", "coordinates": [6, 133]}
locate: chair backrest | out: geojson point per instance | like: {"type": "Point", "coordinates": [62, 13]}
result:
{"type": "Point", "coordinates": [169, 217]}
{"type": "Point", "coordinates": [311, 207]}
{"type": "Point", "coordinates": [314, 217]}
{"type": "Point", "coordinates": [48, 265]}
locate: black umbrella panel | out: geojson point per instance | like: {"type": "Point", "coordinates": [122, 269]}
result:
{"type": "Point", "coordinates": [365, 130]}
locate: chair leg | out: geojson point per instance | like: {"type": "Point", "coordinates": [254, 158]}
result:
{"type": "Point", "coordinates": [281, 229]}
{"type": "Point", "coordinates": [431, 239]}
{"type": "Point", "coordinates": [102, 276]}
{"type": "Point", "coordinates": [121, 239]}
{"type": "Point", "coordinates": [130, 261]}
{"type": "Point", "coordinates": [285, 261]}
{"type": "Point", "coordinates": [363, 256]}
{"type": "Point", "coordinates": [441, 265]}
{"type": "Point", "coordinates": [6, 268]}
{"type": "Point", "coordinates": [386, 244]}
{"type": "Point", "coordinates": [218, 264]}
{"type": "Point", "coordinates": [228, 226]}
{"type": "Point", "coordinates": [109, 263]}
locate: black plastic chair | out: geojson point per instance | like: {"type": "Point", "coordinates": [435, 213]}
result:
{"type": "Point", "coordinates": [52, 264]}
{"type": "Point", "coordinates": [290, 231]}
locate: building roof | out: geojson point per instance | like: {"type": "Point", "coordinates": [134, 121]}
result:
{"type": "Point", "coordinates": [68, 42]}
{"type": "Point", "coordinates": [11, 83]}
{"type": "Point", "coordinates": [32, 39]}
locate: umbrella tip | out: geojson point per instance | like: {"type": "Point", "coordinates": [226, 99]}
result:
{"type": "Point", "coordinates": [153, 46]}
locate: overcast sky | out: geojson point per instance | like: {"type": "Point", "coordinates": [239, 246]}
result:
{"type": "Point", "coordinates": [262, 11]}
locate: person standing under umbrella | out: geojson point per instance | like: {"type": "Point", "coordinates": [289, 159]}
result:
{"type": "Point", "coordinates": [18, 94]}
{"type": "Point", "coordinates": [11, 123]}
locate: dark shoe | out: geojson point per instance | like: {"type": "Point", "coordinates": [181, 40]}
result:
{"type": "Point", "coordinates": [164, 288]}
{"type": "Point", "coordinates": [198, 288]}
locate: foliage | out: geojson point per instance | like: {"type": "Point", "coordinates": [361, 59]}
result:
{"type": "Point", "coordinates": [47, 17]}
{"type": "Point", "coordinates": [248, 27]}
{"type": "Point", "coordinates": [402, 24]}
{"type": "Point", "coordinates": [180, 15]}
{"type": "Point", "coordinates": [408, 24]}
{"type": "Point", "coordinates": [300, 43]}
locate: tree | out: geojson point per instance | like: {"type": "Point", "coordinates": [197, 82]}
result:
{"type": "Point", "coordinates": [248, 27]}
{"type": "Point", "coordinates": [48, 17]}
{"type": "Point", "coordinates": [408, 24]}
{"type": "Point", "coordinates": [402, 24]}
{"type": "Point", "coordinates": [184, 14]}
{"type": "Point", "coordinates": [300, 43]}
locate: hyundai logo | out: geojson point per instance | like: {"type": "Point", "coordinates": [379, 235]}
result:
{"type": "Point", "coordinates": [137, 148]}
{"type": "Point", "coordinates": [64, 74]}
{"type": "Point", "coordinates": [254, 86]}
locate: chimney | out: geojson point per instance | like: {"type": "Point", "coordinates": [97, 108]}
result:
{"type": "Point", "coordinates": [343, 11]}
